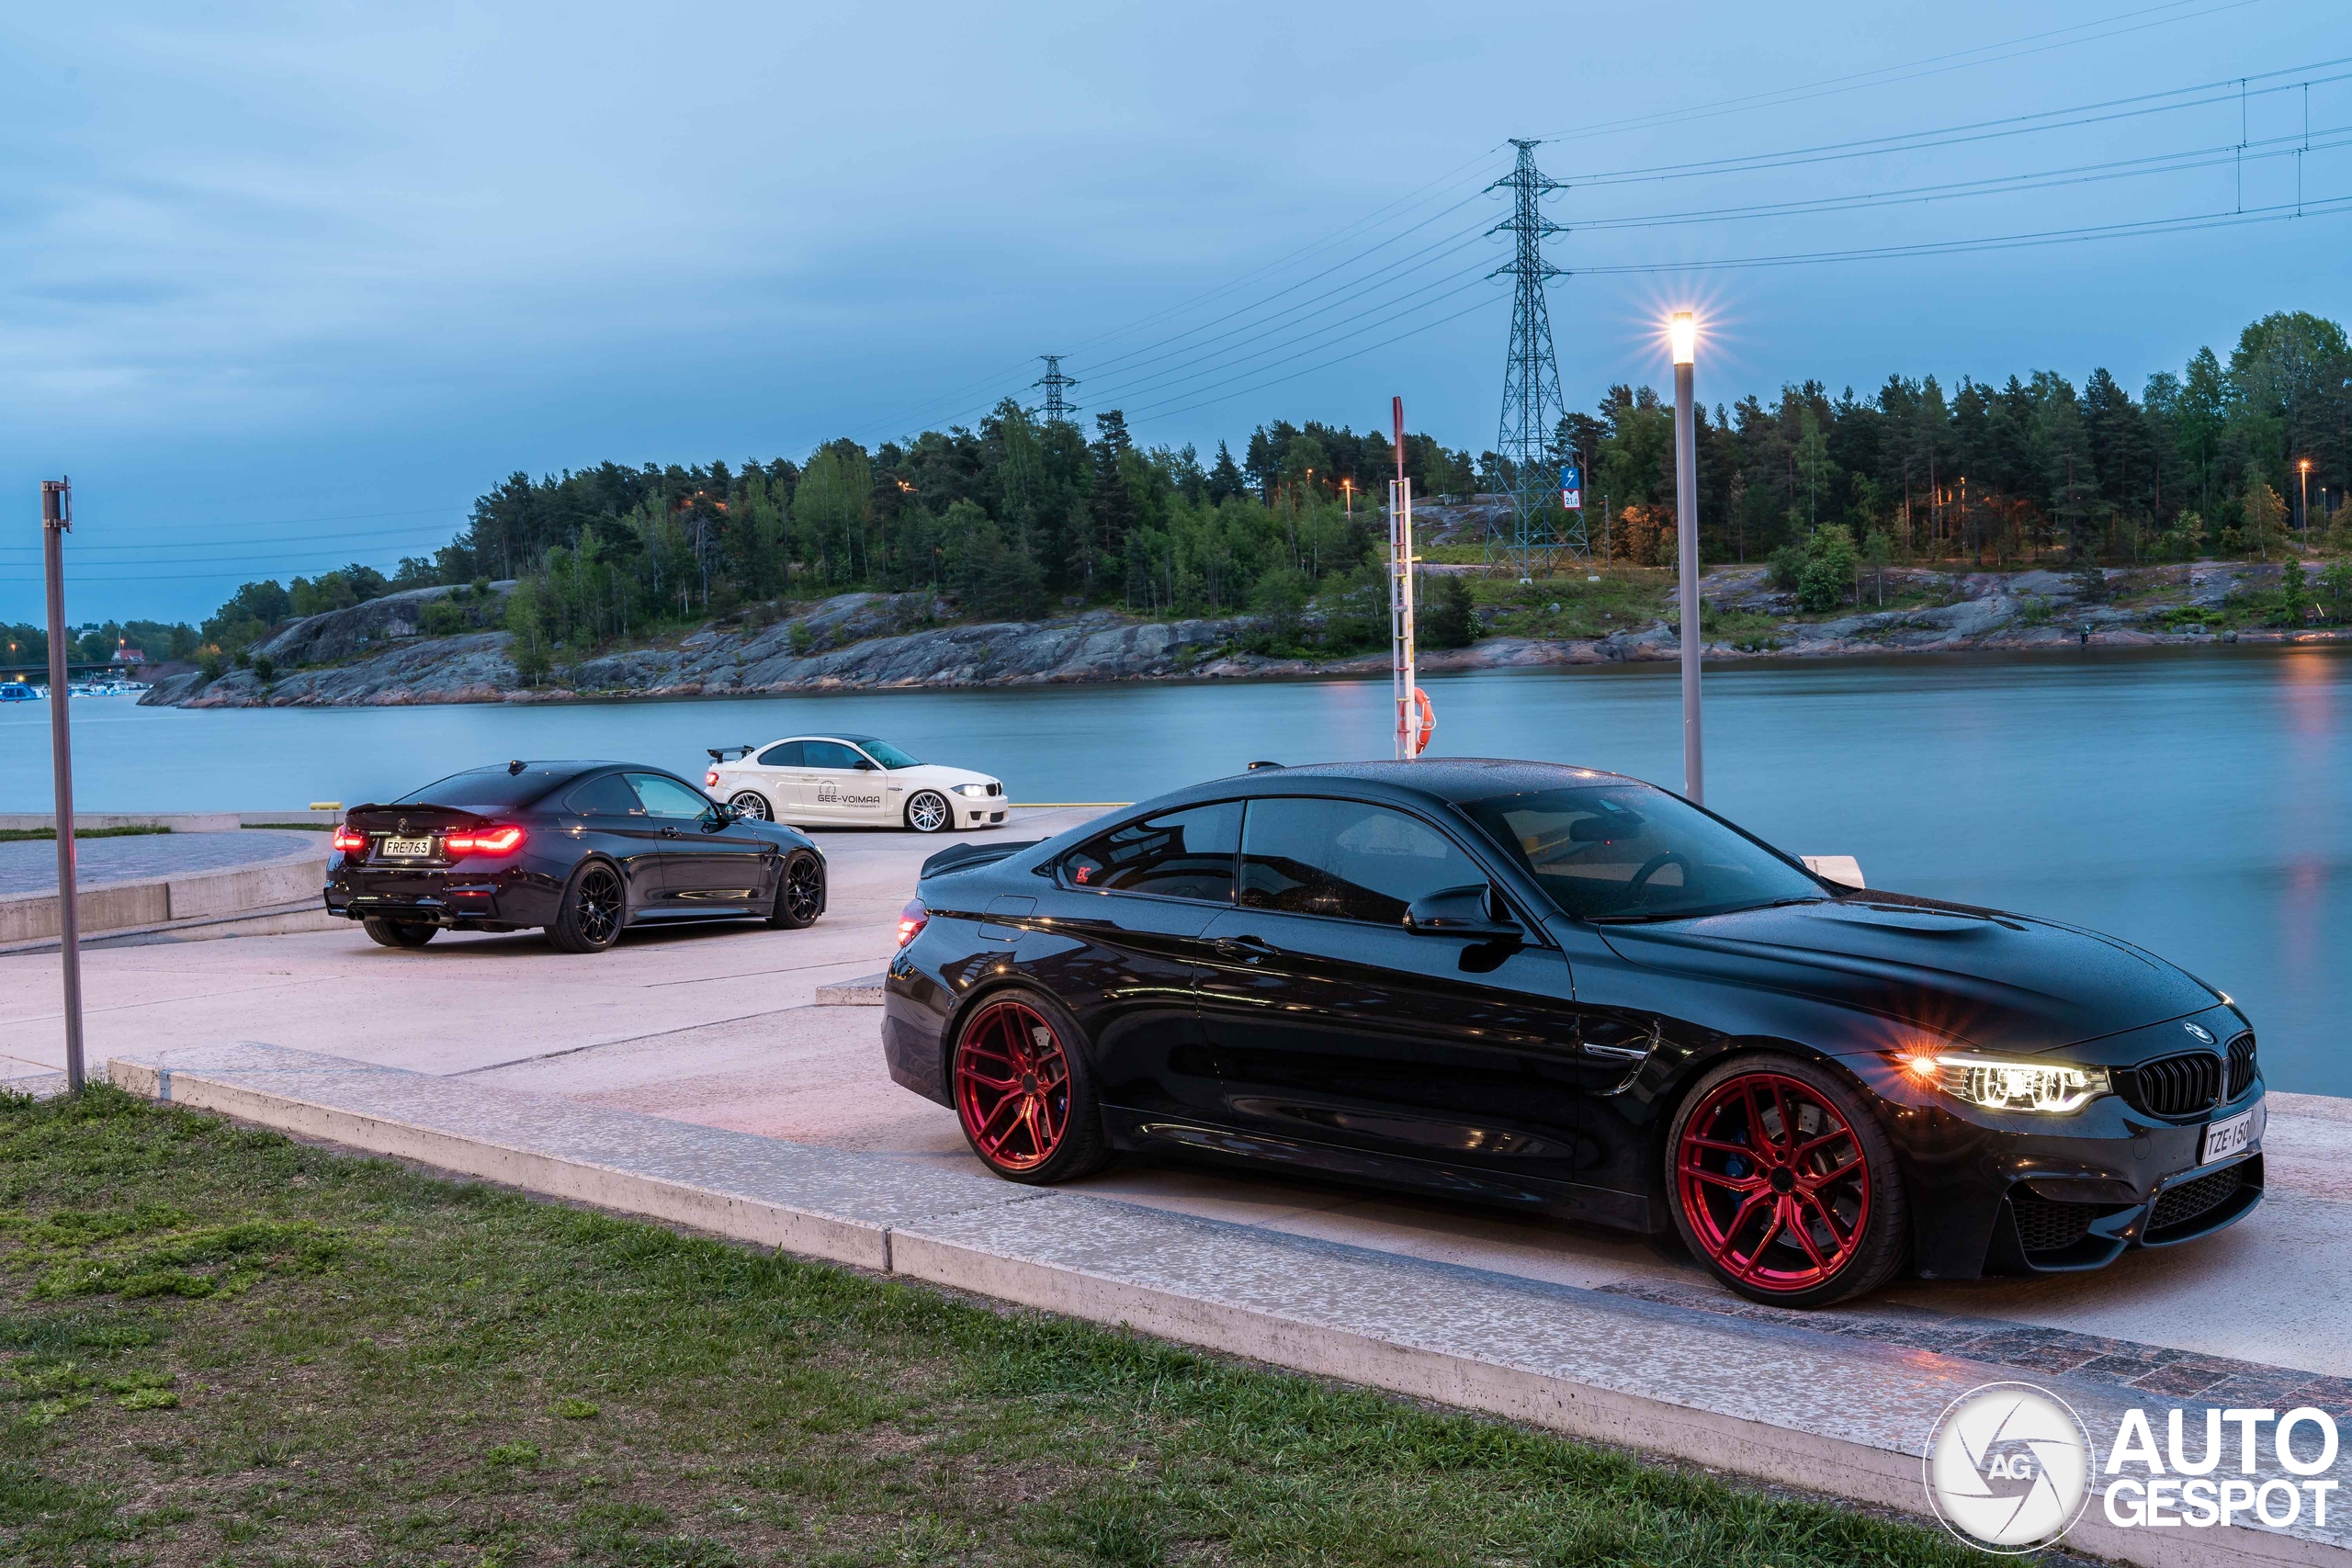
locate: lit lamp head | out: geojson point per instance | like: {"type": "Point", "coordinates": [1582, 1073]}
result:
{"type": "Point", "coordinates": [1684, 331]}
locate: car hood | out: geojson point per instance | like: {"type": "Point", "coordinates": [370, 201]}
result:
{"type": "Point", "coordinates": [937, 776]}
{"type": "Point", "coordinates": [1995, 981]}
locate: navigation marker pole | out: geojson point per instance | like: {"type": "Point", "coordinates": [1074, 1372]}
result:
{"type": "Point", "coordinates": [1685, 334]}
{"type": "Point", "coordinates": [1400, 596]}
{"type": "Point", "coordinates": [56, 521]}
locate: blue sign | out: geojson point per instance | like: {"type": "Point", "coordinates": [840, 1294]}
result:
{"type": "Point", "coordinates": [1571, 490]}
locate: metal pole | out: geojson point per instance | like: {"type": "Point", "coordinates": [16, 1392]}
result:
{"type": "Point", "coordinates": [1686, 527]}
{"type": "Point", "coordinates": [56, 518]}
{"type": "Point", "coordinates": [1400, 594]}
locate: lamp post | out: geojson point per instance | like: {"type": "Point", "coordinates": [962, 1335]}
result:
{"type": "Point", "coordinates": [1684, 332]}
{"type": "Point", "coordinates": [56, 519]}
{"type": "Point", "coordinates": [2303, 501]}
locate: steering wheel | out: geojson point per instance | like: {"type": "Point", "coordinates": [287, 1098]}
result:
{"type": "Point", "coordinates": [1655, 864]}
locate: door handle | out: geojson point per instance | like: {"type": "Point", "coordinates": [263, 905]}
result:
{"type": "Point", "coordinates": [1247, 949]}
{"type": "Point", "coordinates": [669, 832]}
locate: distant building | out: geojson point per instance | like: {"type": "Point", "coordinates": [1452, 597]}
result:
{"type": "Point", "coordinates": [127, 654]}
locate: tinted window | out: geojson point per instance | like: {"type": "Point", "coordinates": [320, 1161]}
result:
{"type": "Point", "coordinates": [666, 797]}
{"type": "Point", "coordinates": [828, 754]}
{"type": "Point", "coordinates": [889, 756]}
{"type": "Point", "coordinates": [1628, 849]}
{"type": "Point", "coordinates": [486, 789]}
{"type": "Point", "coordinates": [608, 795]}
{"type": "Point", "coordinates": [1178, 854]}
{"type": "Point", "coordinates": [783, 754]}
{"type": "Point", "coordinates": [1344, 858]}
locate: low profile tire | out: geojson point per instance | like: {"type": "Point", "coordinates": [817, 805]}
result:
{"type": "Point", "coordinates": [1023, 1091]}
{"type": "Point", "coordinates": [593, 908]}
{"type": "Point", "coordinates": [752, 804]}
{"type": "Point", "coordinates": [799, 893]}
{"type": "Point", "coordinates": [1784, 1185]}
{"type": "Point", "coordinates": [927, 812]}
{"type": "Point", "coordinates": [399, 933]}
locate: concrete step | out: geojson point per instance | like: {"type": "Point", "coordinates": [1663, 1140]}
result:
{"type": "Point", "coordinates": [1775, 1396]}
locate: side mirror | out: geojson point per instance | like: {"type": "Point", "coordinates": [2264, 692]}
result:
{"type": "Point", "coordinates": [865, 764]}
{"type": "Point", "coordinates": [1462, 912]}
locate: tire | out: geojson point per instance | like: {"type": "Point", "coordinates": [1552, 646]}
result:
{"type": "Point", "coordinates": [799, 892]}
{"type": "Point", "coordinates": [399, 934]}
{"type": "Point", "coordinates": [1024, 1091]}
{"type": "Point", "coordinates": [595, 905]}
{"type": "Point", "coordinates": [1827, 1178]}
{"type": "Point", "coordinates": [928, 811]}
{"type": "Point", "coordinates": [752, 805]}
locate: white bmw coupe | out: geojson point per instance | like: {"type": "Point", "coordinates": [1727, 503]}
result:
{"type": "Point", "coordinates": [814, 781]}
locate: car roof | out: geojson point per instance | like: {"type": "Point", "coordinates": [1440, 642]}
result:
{"type": "Point", "coordinates": [824, 735]}
{"type": "Point", "coordinates": [1447, 779]}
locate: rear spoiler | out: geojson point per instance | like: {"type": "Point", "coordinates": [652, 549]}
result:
{"type": "Point", "coordinates": [729, 753]}
{"type": "Point", "coordinates": [966, 857]}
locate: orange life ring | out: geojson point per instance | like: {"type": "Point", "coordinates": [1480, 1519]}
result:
{"type": "Point", "coordinates": [1420, 709]}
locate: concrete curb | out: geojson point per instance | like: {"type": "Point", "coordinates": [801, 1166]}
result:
{"type": "Point", "coordinates": [1780, 1403]}
{"type": "Point", "coordinates": [177, 821]}
{"type": "Point", "coordinates": [31, 917]}
{"type": "Point", "coordinates": [866, 991]}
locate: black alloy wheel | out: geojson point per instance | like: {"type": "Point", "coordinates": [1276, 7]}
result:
{"type": "Point", "coordinates": [399, 934]}
{"type": "Point", "coordinates": [929, 812]}
{"type": "Point", "coordinates": [594, 907]}
{"type": "Point", "coordinates": [800, 893]}
{"type": "Point", "coordinates": [752, 806]}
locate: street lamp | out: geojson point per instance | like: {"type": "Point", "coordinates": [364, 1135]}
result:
{"type": "Point", "coordinates": [1684, 332]}
{"type": "Point", "coordinates": [2303, 504]}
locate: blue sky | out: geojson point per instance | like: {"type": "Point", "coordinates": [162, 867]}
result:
{"type": "Point", "coordinates": [283, 285]}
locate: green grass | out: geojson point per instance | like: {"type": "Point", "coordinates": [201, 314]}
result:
{"type": "Point", "coordinates": [222, 1347]}
{"type": "Point", "coordinates": [20, 835]}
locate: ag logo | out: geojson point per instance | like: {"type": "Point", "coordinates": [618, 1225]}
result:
{"type": "Point", "coordinates": [2008, 1468]}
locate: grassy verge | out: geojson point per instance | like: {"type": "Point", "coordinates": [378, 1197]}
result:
{"type": "Point", "coordinates": [21, 835]}
{"type": "Point", "coordinates": [224, 1347]}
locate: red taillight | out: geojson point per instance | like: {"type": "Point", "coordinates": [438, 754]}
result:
{"type": "Point", "coordinates": [710, 779]}
{"type": "Point", "coordinates": [485, 841]}
{"type": "Point", "coordinates": [350, 843]}
{"type": "Point", "coordinates": [911, 920]}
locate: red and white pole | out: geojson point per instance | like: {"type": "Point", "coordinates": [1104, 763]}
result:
{"type": "Point", "coordinates": [1401, 597]}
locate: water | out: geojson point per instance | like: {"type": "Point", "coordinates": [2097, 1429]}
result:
{"type": "Point", "coordinates": [2194, 801]}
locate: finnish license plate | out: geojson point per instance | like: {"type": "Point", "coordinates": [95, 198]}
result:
{"type": "Point", "coordinates": [2228, 1137]}
{"type": "Point", "coordinates": [407, 849]}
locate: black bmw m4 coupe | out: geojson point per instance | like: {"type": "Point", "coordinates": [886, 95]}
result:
{"type": "Point", "coordinates": [581, 849]}
{"type": "Point", "coordinates": [1570, 993]}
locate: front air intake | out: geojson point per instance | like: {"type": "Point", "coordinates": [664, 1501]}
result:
{"type": "Point", "coordinates": [2185, 1084]}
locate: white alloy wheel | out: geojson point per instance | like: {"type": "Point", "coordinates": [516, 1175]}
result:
{"type": "Point", "coordinates": [751, 803]}
{"type": "Point", "coordinates": [927, 812]}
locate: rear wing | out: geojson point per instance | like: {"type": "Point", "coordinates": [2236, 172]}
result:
{"type": "Point", "coordinates": [730, 753]}
{"type": "Point", "coordinates": [968, 857]}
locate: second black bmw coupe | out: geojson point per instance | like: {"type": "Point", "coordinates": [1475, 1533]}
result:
{"type": "Point", "coordinates": [1569, 992]}
{"type": "Point", "coordinates": [582, 849]}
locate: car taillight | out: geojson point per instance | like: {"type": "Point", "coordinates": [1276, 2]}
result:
{"type": "Point", "coordinates": [911, 920]}
{"type": "Point", "coordinates": [349, 842]}
{"type": "Point", "coordinates": [710, 779]}
{"type": "Point", "coordinates": [503, 841]}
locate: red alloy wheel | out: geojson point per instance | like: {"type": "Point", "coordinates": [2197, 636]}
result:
{"type": "Point", "coordinates": [1773, 1183]}
{"type": "Point", "coordinates": [1012, 1086]}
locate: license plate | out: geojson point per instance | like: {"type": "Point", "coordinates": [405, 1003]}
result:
{"type": "Point", "coordinates": [2228, 1137]}
{"type": "Point", "coordinates": [408, 848]}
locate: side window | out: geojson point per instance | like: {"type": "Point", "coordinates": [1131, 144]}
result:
{"type": "Point", "coordinates": [1177, 854]}
{"type": "Point", "coordinates": [783, 754]}
{"type": "Point", "coordinates": [1345, 858]}
{"type": "Point", "coordinates": [667, 798]}
{"type": "Point", "coordinates": [607, 796]}
{"type": "Point", "coordinates": [828, 754]}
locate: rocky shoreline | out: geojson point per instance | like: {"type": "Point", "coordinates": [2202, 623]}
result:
{"type": "Point", "coordinates": [875, 642]}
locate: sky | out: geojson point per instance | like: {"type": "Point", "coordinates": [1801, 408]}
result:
{"type": "Point", "coordinates": [283, 286]}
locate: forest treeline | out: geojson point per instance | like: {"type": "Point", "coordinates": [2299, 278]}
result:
{"type": "Point", "coordinates": [1018, 516]}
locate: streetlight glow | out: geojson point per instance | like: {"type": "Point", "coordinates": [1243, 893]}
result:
{"type": "Point", "coordinates": [1684, 330]}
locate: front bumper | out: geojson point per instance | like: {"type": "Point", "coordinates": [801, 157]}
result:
{"type": "Point", "coordinates": [508, 896]}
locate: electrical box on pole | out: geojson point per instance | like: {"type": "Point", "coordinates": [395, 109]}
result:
{"type": "Point", "coordinates": [56, 522]}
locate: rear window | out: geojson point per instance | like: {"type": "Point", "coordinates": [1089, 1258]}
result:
{"type": "Point", "coordinates": [782, 754]}
{"type": "Point", "coordinates": [488, 789]}
{"type": "Point", "coordinates": [1177, 854]}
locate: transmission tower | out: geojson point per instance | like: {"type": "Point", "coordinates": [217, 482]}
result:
{"type": "Point", "coordinates": [1538, 532]}
{"type": "Point", "coordinates": [1057, 411]}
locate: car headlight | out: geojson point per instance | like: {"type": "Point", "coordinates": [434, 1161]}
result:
{"type": "Point", "coordinates": [976, 792]}
{"type": "Point", "coordinates": [2000, 1085]}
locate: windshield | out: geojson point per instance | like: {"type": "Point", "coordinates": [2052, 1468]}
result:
{"type": "Point", "coordinates": [1627, 852]}
{"type": "Point", "coordinates": [889, 756]}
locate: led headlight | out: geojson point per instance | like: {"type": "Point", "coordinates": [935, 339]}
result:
{"type": "Point", "coordinates": [976, 792]}
{"type": "Point", "coordinates": [1999, 1084]}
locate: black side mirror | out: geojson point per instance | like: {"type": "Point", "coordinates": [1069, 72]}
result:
{"type": "Point", "coordinates": [865, 765]}
{"type": "Point", "coordinates": [1462, 912]}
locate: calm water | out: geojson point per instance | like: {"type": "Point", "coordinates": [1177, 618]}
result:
{"type": "Point", "coordinates": [2196, 802]}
